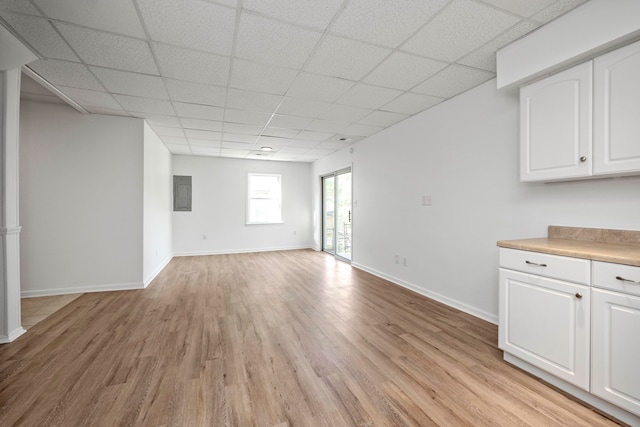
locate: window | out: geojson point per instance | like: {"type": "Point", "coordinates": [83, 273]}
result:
{"type": "Point", "coordinates": [264, 204]}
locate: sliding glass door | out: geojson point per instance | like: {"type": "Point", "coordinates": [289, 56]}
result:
{"type": "Point", "coordinates": [337, 214]}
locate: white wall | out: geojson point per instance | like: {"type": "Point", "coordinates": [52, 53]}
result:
{"type": "Point", "coordinates": [157, 233]}
{"type": "Point", "coordinates": [219, 207]}
{"type": "Point", "coordinates": [464, 153]}
{"type": "Point", "coordinates": [81, 198]}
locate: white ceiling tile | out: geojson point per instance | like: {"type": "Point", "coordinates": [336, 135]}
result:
{"type": "Point", "coordinates": [198, 111]}
{"type": "Point", "coordinates": [243, 128]}
{"type": "Point", "coordinates": [19, 6]}
{"type": "Point", "coordinates": [556, 9]}
{"type": "Point", "coordinates": [145, 105]}
{"type": "Point", "coordinates": [126, 83]}
{"type": "Point", "coordinates": [192, 24]}
{"type": "Point", "coordinates": [302, 107]}
{"type": "Point", "coordinates": [485, 56]}
{"type": "Point", "coordinates": [39, 33]}
{"type": "Point", "coordinates": [232, 3]}
{"type": "Point", "coordinates": [90, 98]}
{"type": "Point", "coordinates": [318, 87]}
{"type": "Point", "coordinates": [344, 113]}
{"type": "Point", "coordinates": [333, 146]}
{"type": "Point", "coordinates": [333, 126]}
{"type": "Point", "coordinates": [411, 103]}
{"type": "Point", "coordinates": [231, 152]}
{"type": "Point", "coordinates": [314, 136]}
{"type": "Point", "coordinates": [168, 131]}
{"type": "Point", "coordinates": [120, 52]}
{"type": "Point", "coordinates": [202, 143]}
{"type": "Point", "coordinates": [272, 42]}
{"type": "Point", "coordinates": [237, 145]}
{"type": "Point", "coordinates": [293, 149]}
{"type": "Point", "coordinates": [196, 93]}
{"type": "Point", "coordinates": [192, 66]}
{"type": "Point", "coordinates": [312, 13]}
{"type": "Point", "coordinates": [460, 28]}
{"type": "Point", "coordinates": [360, 130]}
{"type": "Point", "coordinates": [246, 117]}
{"type": "Point", "coordinates": [107, 111]}
{"type": "Point", "coordinates": [522, 8]}
{"type": "Point", "coordinates": [384, 22]}
{"type": "Point", "coordinates": [252, 100]}
{"type": "Point", "coordinates": [117, 16]}
{"type": "Point", "coordinates": [320, 152]}
{"type": "Point", "coordinates": [308, 157]}
{"type": "Point", "coordinates": [238, 137]}
{"type": "Point", "coordinates": [345, 58]}
{"type": "Point", "coordinates": [205, 151]}
{"type": "Point", "coordinates": [261, 77]}
{"type": "Point", "coordinates": [280, 132]}
{"type": "Point", "coordinates": [382, 118]}
{"type": "Point", "coordinates": [64, 73]}
{"type": "Point", "coordinates": [203, 134]}
{"type": "Point", "coordinates": [404, 71]}
{"type": "Point", "coordinates": [453, 80]}
{"type": "Point", "coordinates": [299, 143]}
{"type": "Point", "coordinates": [363, 95]}
{"type": "Point", "coordinates": [273, 142]}
{"type": "Point", "coordinates": [342, 139]}
{"type": "Point", "coordinates": [201, 124]}
{"type": "Point", "coordinates": [291, 122]}
{"type": "Point", "coordinates": [160, 120]}
{"type": "Point", "coordinates": [174, 140]}
{"type": "Point", "coordinates": [178, 149]}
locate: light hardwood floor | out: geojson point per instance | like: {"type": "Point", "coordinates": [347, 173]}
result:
{"type": "Point", "coordinates": [269, 339]}
{"type": "Point", "coordinates": [35, 310]}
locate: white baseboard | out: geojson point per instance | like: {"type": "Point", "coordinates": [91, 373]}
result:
{"type": "Point", "coordinates": [241, 251]}
{"type": "Point", "coordinates": [157, 271]}
{"type": "Point", "coordinates": [4, 339]}
{"type": "Point", "coordinates": [491, 318]}
{"type": "Point", "coordinates": [82, 289]}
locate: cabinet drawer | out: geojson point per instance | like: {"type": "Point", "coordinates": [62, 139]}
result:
{"type": "Point", "coordinates": [558, 267]}
{"type": "Point", "coordinates": [617, 277]}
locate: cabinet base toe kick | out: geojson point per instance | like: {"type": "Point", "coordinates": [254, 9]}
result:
{"type": "Point", "coordinates": [586, 397]}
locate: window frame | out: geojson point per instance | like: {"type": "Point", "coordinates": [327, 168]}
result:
{"type": "Point", "coordinates": [249, 199]}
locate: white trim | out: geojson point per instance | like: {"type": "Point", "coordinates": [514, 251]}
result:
{"type": "Point", "coordinates": [12, 336]}
{"type": "Point", "coordinates": [82, 289]}
{"type": "Point", "coordinates": [5, 231]}
{"type": "Point", "coordinates": [595, 401]}
{"type": "Point", "coordinates": [157, 271]}
{"type": "Point", "coordinates": [44, 82]}
{"type": "Point", "coordinates": [242, 251]}
{"type": "Point", "coordinates": [491, 318]}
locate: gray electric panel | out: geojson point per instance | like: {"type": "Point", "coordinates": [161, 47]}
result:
{"type": "Point", "coordinates": [182, 193]}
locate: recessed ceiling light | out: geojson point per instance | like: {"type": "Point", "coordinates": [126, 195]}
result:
{"type": "Point", "coordinates": [266, 149]}
{"type": "Point", "coordinates": [344, 139]}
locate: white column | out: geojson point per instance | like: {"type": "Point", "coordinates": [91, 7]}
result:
{"type": "Point", "coordinates": [10, 325]}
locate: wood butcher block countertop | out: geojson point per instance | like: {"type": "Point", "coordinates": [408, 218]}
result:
{"type": "Point", "coordinates": [596, 244]}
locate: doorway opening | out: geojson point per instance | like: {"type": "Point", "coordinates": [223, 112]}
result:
{"type": "Point", "coordinates": [337, 214]}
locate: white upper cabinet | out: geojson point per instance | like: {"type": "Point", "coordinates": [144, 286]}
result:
{"type": "Point", "coordinates": [583, 122]}
{"type": "Point", "coordinates": [555, 126]}
{"type": "Point", "coordinates": [616, 121]}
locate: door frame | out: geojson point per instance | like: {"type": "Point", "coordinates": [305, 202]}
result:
{"type": "Point", "coordinates": [334, 174]}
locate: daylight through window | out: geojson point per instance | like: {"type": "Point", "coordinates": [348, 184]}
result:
{"type": "Point", "coordinates": [264, 205]}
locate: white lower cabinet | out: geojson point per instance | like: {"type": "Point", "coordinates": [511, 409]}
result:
{"type": "Point", "coordinates": [615, 366]}
{"type": "Point", "coordinates": [545, 322]}
{"type": "Point", "coordinates": [576, 324]}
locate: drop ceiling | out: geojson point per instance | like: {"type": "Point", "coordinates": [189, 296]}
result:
{"type": "Point", "coordinates": [304, 77]}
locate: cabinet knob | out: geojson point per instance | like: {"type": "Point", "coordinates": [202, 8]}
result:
{"type": "Point", "coordinates": [583, 159]}
{"type": "Point", "coordinates": [578, 295]}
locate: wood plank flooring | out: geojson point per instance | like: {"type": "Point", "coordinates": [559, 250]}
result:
{"type": "Point", "coordinates": [291, 338]}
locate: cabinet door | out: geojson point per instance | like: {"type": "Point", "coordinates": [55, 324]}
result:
{"type": "Point", "coordinates": [615, 370]}
{"type": "Point", "coordinates": [616, 122]}
{"type": "Point", "coordinates": [555, 126]}
{"type": "Point", "coordinates": [546, 322]}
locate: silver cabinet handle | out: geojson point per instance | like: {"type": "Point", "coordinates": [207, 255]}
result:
{"type": "Point", "coordinates": [535, 263]}
{"type": "Point", "coordinates": [627, 280]}
{"type": "Point", "coordinates": [578, 295]}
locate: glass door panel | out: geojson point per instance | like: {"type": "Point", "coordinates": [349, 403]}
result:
{"type": "Point", "coordinates": [328, 213]}
{"type": "Point", "coordinates": [343, 215]}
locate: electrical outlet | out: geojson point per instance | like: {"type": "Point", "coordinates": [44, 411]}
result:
{"type": "Point", "coordinates": [397, 259]}
{"type": "Point", "coordinates": [426, 200]}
